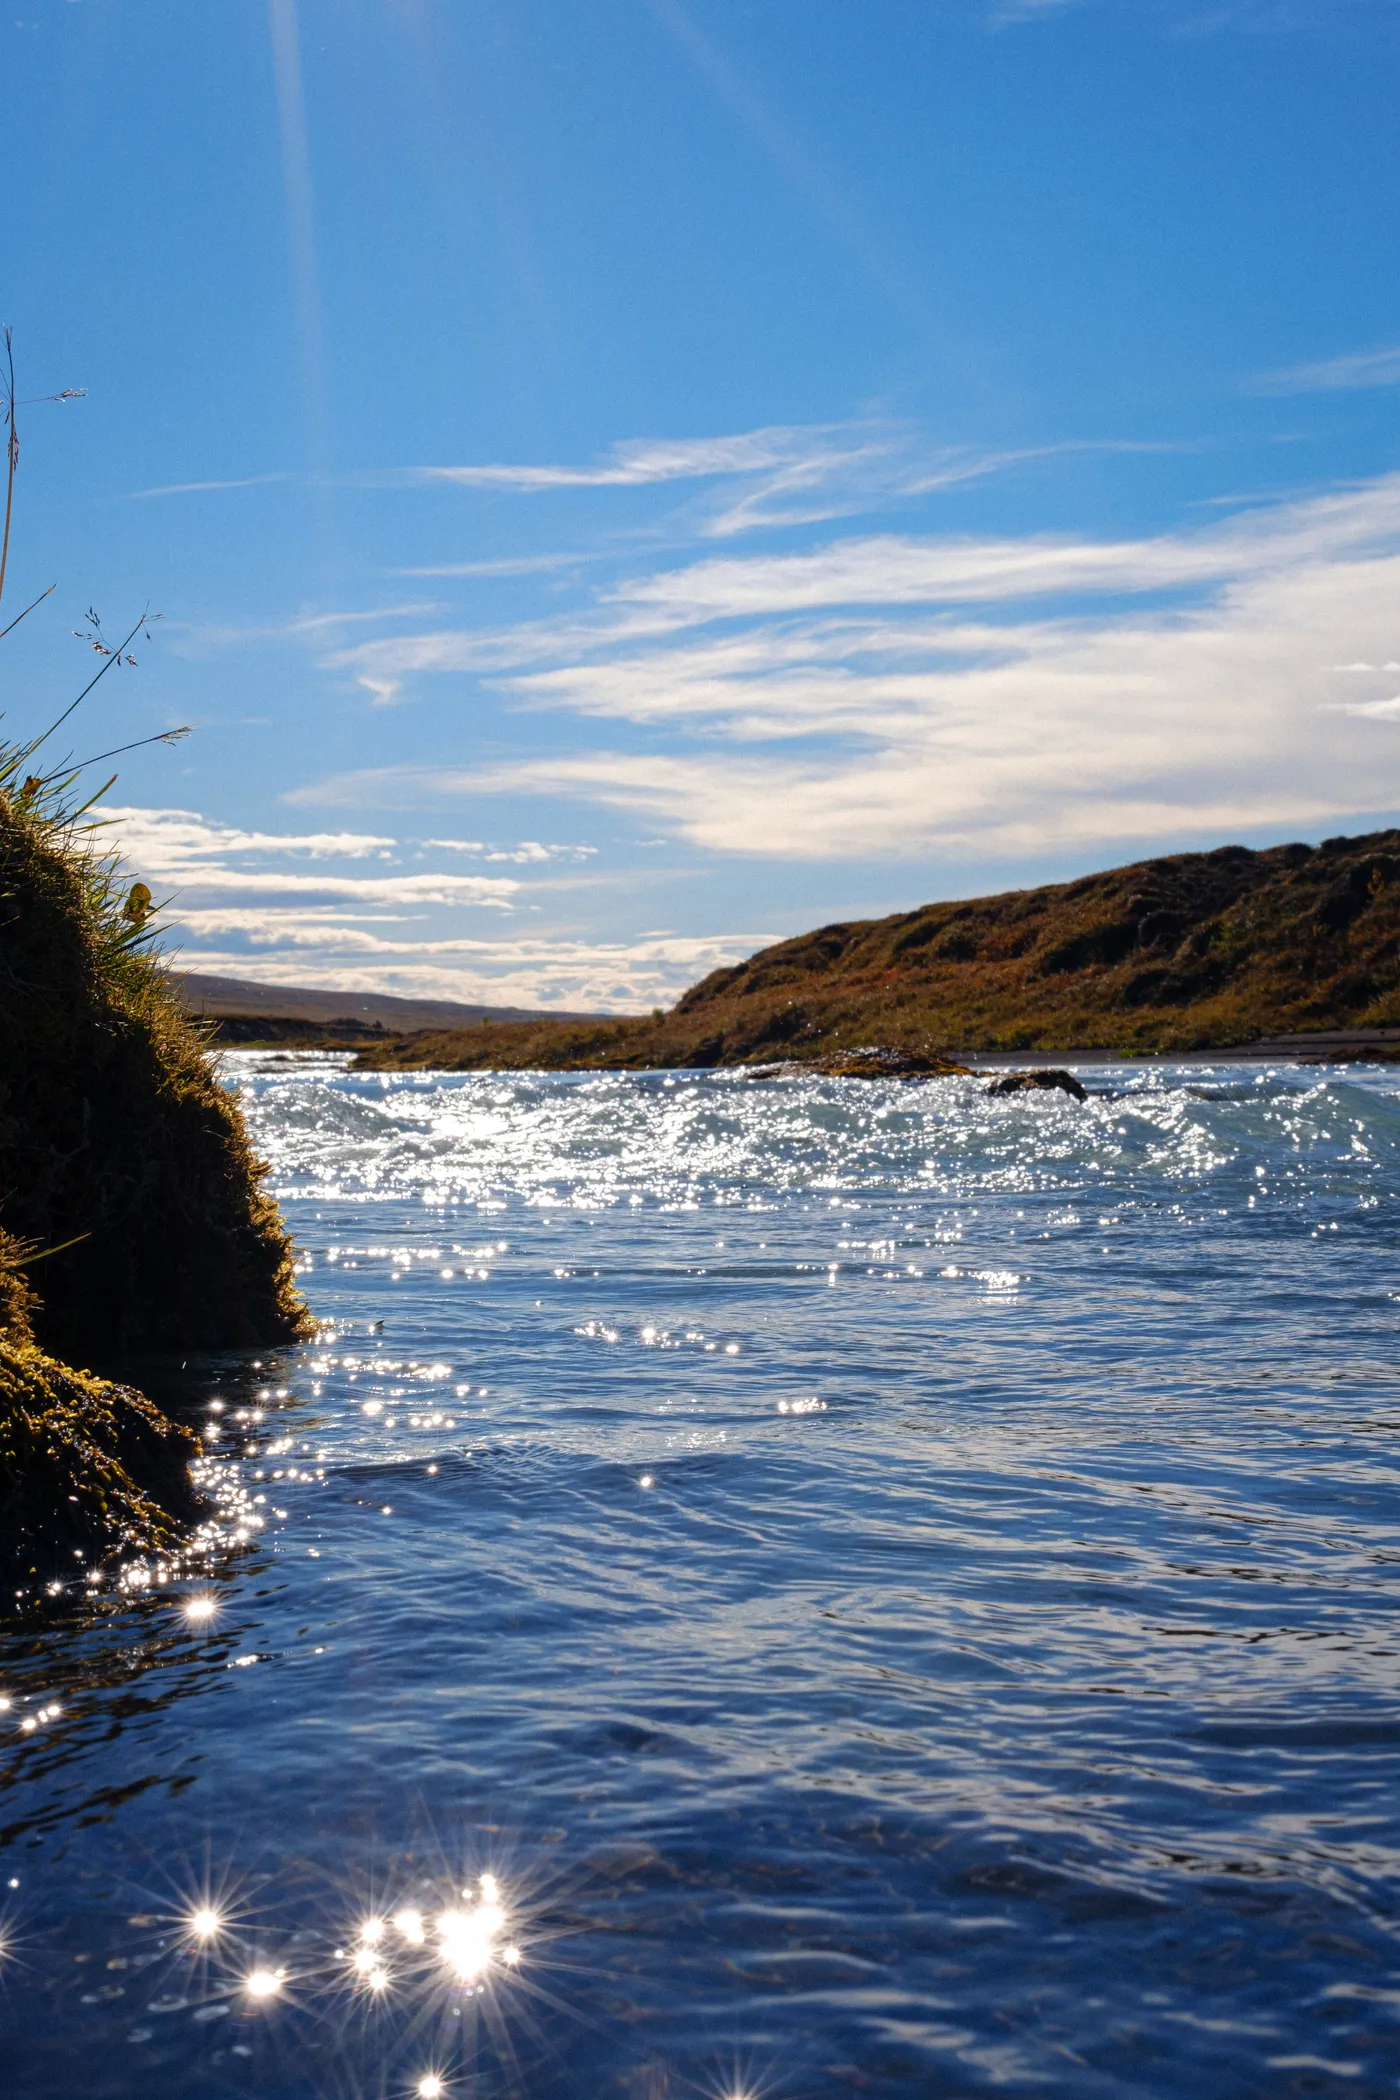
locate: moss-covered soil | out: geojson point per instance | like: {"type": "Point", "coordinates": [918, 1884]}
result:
{"type": "Point", "coordinates": [128, 1194]}
{"type": "Point", "coordinates": [114, 1131]}
{"type": "Point", "coordinates": [89, 1470]}
{"type": "Point", "coordinates": [1194, 951]}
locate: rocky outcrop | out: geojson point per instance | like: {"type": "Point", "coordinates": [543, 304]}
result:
{"type": "Point", "coordinates": [873, 1061]}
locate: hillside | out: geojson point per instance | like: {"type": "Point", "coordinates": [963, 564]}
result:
{"type": "Point", "coordinates": [245, 1002]}
{"type": "Point", "coordinates": [1187, 952]}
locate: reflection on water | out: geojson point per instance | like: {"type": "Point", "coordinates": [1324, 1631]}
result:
{"type": "Point", "coordinates": [772, 1587]}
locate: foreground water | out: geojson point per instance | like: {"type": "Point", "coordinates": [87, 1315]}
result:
{"type": "Point", "coordinates": [813, 1586]}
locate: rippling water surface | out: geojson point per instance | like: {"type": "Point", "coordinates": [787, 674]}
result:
{"type": "Point", "coordinates": [776, 1587]}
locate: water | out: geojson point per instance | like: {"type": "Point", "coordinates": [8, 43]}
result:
{"type": "Point", "coordinates": [899, 1589]}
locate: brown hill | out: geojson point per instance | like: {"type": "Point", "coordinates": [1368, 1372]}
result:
{"type": "Point", "coordinates": [248, 1011]}
{"type": "Point", "coordinates": [1188, 952]}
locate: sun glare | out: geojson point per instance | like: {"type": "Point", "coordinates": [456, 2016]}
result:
{"type": "Point", "coordinates": [468, 1937]}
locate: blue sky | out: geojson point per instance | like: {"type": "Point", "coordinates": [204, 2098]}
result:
{"type": "Point", "coordinates": [626, 480]}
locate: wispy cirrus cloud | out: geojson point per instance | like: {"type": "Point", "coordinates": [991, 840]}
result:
{"type": "Point", "coordinates": [765, 479]}
{"type": "Point", "coordinates": [949, 693]}
{"type": "Point", "coordinates": [787, 475]}
{"type": "Point", "coordinates": [505, 565]}
{"type": "Point", "coordinates": [529, 852]}
{"type": "Point", "coordinates": [637, 462]}
{"type": "Point", "coordinates": [204, 488]}
{"type": "Point", "coordinates": [770, 479]}
{"type": "Point", "coordinates": [887, 569]}
{"type": "Point", "coordinates": [1356, 369]}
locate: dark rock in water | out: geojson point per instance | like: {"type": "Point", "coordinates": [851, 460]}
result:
{"type": "Point", "coordinates": [1021, 1082]}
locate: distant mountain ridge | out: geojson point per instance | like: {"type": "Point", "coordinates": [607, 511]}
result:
{"type": "Point", "coordinates": [1189, 951]}
{"type": "Point", "coordinates": [223, 998]}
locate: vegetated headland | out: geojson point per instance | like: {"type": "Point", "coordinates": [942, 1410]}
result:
{"type": "Point", "coordinates": [132, 1213]}
{"type": "Point", "coordinates": [1190, 952]}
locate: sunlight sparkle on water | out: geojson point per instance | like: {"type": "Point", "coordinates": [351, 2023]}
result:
{"type": "Point", "coordinates": [431, 2087]}
{"type": "Point", "coordinates": [197, 1608]}
{"type": "Point", "coordinates": [205, 1923]}
{"type": "Point", "coordinates": [468, 1937]}
{"type": "Point", "coordinates": [369, 1966]}
{"type": "Point", "coordinates": [264, 1983]}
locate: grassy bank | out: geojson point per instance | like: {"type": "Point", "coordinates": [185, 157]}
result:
{"type": "Point", "coordinates": [128, 1192]}
{"type": "Point", "coordinates": [114, 1133]}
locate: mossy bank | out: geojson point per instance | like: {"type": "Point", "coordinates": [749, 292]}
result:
{"type": "Point", "coordinates": [129, 1196]}
{"type": "Point", "coordinates": [88, 1467]}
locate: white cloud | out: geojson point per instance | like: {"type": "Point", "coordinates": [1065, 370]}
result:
{"type": "Point", "coordinates": [201, 488]}
{"type": "Point", "coordinates": [174, 840]}
{"type": "Point", "coordinates": [1358, 368]}
{"type": "Point", "coordinates": [1379, 710]}
{"type": "Point", "coordinates": [318, 623]}
{"type": "Point", "coordinates": [395, 931]}
{"type": "Point", "coordinates": [638, 462]}
{"type": "Point", "coordinates": [529, 852]}
{"type": "Point", "coordinates": [420, 890]}
{"type": "Point", "coordinates": [964, 694]}
{"type": "Point", "coordinates": [588, 976]}
{"type": "Point", "coordinates": [507, 565]}
{"type": "Point", "coordinates": [885, 570]}
{"type": "Point", "coordinates": [178, 846]}
{"type": "Point", "coordinates": [788, 475]}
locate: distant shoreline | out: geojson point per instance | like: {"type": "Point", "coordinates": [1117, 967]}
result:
{"type": "Point", "coordinates": [1323, 1050]}
{"type": "Point", "coordinates": [1329, 1047]}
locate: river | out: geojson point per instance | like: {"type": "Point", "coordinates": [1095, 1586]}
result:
{"type": "Point", "coordinates": [761, 1587]}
